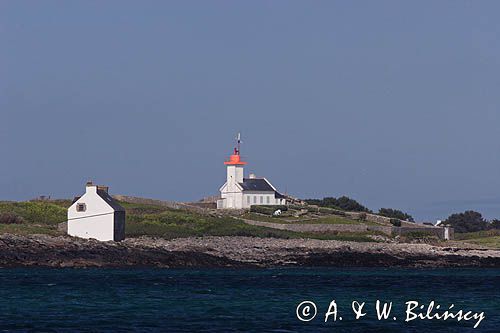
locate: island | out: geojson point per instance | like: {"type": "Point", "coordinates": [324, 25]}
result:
{"type": "Point", "coordinates": [191, 235]}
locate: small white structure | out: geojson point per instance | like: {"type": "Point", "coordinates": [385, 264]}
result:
{"type": "Point", "coordinates": [239, 192]}
{"type": "Point", "coordinates": [446, 232]}
{"type": "Point", "coordinates": [96, 215]}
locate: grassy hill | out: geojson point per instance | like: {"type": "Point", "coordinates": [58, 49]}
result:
{"type": "Point", "coordinates": [326, 219]}
{"type": "Point", "coordinates": [489, 238]}
{"type": "Point", "coordinates": [32, 217]}
{"type": "Point", "coordinates": [156, 220]}
{"type": "Point", "coordinates": [43, 217]}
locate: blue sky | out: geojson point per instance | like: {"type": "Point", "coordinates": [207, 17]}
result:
{"type": "Point", "coordinates": [396, 104]}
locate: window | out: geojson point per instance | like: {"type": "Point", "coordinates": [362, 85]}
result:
{"type": "Point", "coordinates": [248, 199]}
{"type": "Point", "coordinates": [261, 199]}
{"type": "Point", "coordinates": [254, 199]}
{"type": "Point", "coordinates": [268, 200]}
{"type": "Point", "coordinates": [81, 207]}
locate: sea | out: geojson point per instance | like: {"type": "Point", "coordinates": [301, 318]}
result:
{"type": "Point", "coordinates": [246, 300]}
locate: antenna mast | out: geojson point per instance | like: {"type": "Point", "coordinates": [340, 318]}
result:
{"type": "Point", "coordinates": [238, 143]}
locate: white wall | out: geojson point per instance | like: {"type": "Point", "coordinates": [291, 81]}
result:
{"type": "Point", "coordinates": [234, 175]}
{"type": "Point", "coordinates": [99, 227]}
{"type": "Point", "coordinates": [232, 199]}
{"type": "Point", "coordinates": [254, 198]}
{"type": "Point", "coordinates": [97, 221]}
{"type": "Point", "coordinates": [233, 196]}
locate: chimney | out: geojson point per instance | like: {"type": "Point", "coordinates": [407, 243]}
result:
{"type": "Point", "coordinates": [90, 187]}
{"type": "Point", "coordinates": [103, 188]}
{"type": "Point", "coordinates": [252, 176]}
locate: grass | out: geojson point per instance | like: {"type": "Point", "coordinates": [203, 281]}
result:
{"type": "Point", "coordinates": [171, 223]}
{"type": "Point", "coordinates": [42, 217]}
{"type": "Point", "coordinates": [267, 218]}
{"type": "Point", "coordinates": [37, 217]}
{"type": "Point", "coordinates": [493, 242]}
{"type": "Point", "coordinates": [338, 220]}
{"type": "Point", "coordinates": [23, 229]}
{"type": "Point", "coordinates": [488, 238]}
{"type": "Point", "coordinates": [477, 234]}
{"type": "Point", "coordinates": [332, 219]}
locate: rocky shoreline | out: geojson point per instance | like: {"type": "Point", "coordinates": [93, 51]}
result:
{"type": "Point", "coordinates": [236, 252]}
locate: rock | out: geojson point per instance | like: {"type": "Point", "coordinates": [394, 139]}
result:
{"type": "Point", "coordinates": [63, 227]}
{"type": "Point", "coordinates": [64, 251]}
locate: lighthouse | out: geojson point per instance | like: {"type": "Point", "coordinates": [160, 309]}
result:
{"type": "Point", "coordinates": [239, 192]}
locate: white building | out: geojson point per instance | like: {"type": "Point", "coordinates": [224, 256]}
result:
{"type": "Point", "coordinates": [96, 215]}
{"type": "Point", "coordinates": [240, 192]}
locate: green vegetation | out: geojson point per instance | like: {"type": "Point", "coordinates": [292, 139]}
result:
{"type": "Point", "coordinates": [37, 217]}
{"type": "Point", "coordinates": [341, 236]}
{"type": "Point", "coordinates": [477, 234]}
{"type": "Point", "coordinates": [343, 203]}
{"type": "Point", "coordinates": [268, 210]}
{"type": "Point", "coordinates": [489, 238]}
{"type": "Point", "coordinates": [469, 221]}
{"type": "Point", "coordinates": [495, 224]}
{"type": "Point", "coordinates": [395, 214]}
{"type": "Point", "coordinates": [27, 229]}
{"type": "Point", "coordinates": [325, 210]}
{"type": "Point", "coordinates": [396, 222]}
{"type": "Point", "coordinates": [268, 218]}
{"type": "Point", "coordinates": [43, 217]}
{"type": "Point", "coordinates": [38, 212]}
{"type": "Point", "coordinates": [421, 236]}
{"type": "Point", "coordinates": [336, 220]}
{"type": "Point", "coordinates": [170, 223]}
{"type": "Point", "coordinates": [332, 219]}
{"type": "Point", "coordinates": [493, 242]}
{"type": "Point", "coordinates": [10, 218]}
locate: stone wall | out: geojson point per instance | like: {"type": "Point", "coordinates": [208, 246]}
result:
{"type": "Point", "coordinates": [163, 203]}
{"type": "Point", "coordinates": [381, 228]}
{"type": "Point", "coordinates": [436, 231]}
{"type": "Point", "coordinates": [388, 230]}
{"type": "Point", "coordinates": [370, 217]}
{"type": "Point", "coordinates": [311, 227]}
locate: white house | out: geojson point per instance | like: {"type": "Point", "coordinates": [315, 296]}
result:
{"type": "Point", "coordinates": [96, 215]}
{"type": "Point", "coordinates": [240, 192]}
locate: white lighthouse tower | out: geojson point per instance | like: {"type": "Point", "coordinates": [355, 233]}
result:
{"type": "Point", "coordinates": [239, 192]}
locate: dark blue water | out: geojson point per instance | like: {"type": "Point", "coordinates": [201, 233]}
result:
{"type": "Point", "coordinates": [224, 300]}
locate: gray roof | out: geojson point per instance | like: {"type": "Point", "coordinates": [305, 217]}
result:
{"type": "Point", "coordinates": [278, 195]}
{"type": "Point", "coordinates": [260, 185]}
{"type": "Point", "coordinates": [110, 201]}
{"type": "Point", "coordinates": [256, 184]}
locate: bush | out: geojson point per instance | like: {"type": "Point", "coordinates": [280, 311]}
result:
{"type": "Point", "coordinates": [395, 222]}
{"type": "Point", "coordinates": [469, 221]}
{"type": "Point", "coordinates": [495, 224]}
{"type": "Point", "coordinates": [10, 218]}
{"type": "Point", "coordinates": [478, 234]}
{"type": "Point", "coordinates": [325, 210]}
{"type": "Point", "coordinates": [267, 210]}
{"type": "Point", "coordinates": [296, 207]}
{"type": "Point", "coordinates": [338, 212]}
{"type": "Point", "coordinates": [45, 213]}
{"type": "Point", "coordinates": [343, 203]}
{"type": "Point", "coordinates": [362, 217]}
{"type": "Point", "coordinates": [396, 214]}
